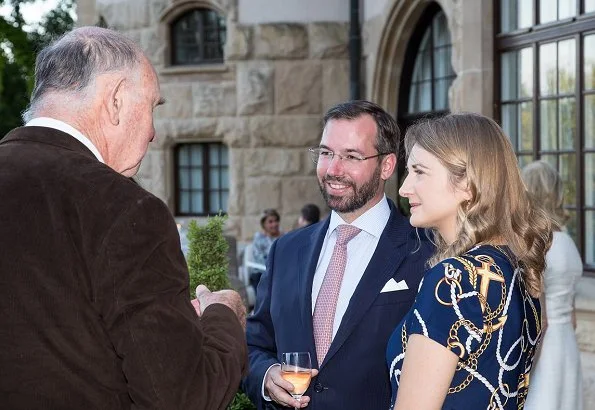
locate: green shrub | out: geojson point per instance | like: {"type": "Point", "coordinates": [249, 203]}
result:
{"type": "Point", "coordinates": [207, 255]}
{"type": "Point", "coordinates": [208, 265]}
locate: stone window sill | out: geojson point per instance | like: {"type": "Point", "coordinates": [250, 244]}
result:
{"type": "Point", "coordinates": [194, 69]}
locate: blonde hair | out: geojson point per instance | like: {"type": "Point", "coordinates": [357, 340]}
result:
{"type": "Point", "coordinates": [476, 152]}
{"type": "Point", "coordinates": [545, 186]}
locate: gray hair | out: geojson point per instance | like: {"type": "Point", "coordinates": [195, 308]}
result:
{"type": "Point", "coordinates": [74, 60]}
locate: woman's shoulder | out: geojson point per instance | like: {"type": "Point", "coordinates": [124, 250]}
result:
{"type": "Point", "coordinates": [563, 241]}
{"type": "Point", "coordinates": [563, 256]}
{"type": "Point", "coordinates": [465, 268]}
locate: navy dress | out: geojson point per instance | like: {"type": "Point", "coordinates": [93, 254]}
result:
{"type": "Point", "coordinates": [477, 306]}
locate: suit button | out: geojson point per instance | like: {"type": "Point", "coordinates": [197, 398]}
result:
{"type": "Point", "coordinates": [318, 387]}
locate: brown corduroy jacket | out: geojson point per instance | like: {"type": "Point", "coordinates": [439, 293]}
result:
{"type": "Point", "coordinates": [94, 302]}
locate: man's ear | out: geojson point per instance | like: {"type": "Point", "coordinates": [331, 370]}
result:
{"type": "Point", "coordinates": [115, 99]}
{"type": "Point", "coordinates": [389, 162]}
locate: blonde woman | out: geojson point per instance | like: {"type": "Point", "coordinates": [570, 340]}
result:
{"type": "Point", "coordinates": [556, 379]}
{"type": "Point", "coordinates": [469, 339]}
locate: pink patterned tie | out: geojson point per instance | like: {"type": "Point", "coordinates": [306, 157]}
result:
{"type": "Point", "coordinates": [326, 302]}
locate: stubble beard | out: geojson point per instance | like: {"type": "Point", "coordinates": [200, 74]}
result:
{"type": "Point", "coordinates": [358, 199]}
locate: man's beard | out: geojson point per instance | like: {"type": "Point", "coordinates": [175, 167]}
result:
{"type": "Point", "coordinates": [350, 203]}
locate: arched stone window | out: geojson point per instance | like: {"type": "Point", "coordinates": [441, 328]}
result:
{"type": "Point", "coordinates": [428, 72]}
{"type": "Point", "coordinates": [197, 37]}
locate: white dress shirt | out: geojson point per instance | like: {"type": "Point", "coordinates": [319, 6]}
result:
{"type": "Point", "coordinates": [359, 252]}
{"type": "Point", "coordinates": [68, 129]}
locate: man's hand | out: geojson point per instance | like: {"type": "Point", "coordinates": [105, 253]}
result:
{"type": "Point", "coordinates": [278, 389]}
{"type": "Point", "coordinates": [229, 298]}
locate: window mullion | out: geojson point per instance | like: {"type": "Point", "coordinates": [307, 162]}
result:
{"type": "Point", "coordinates": [536, 103]}
{"type": "Point", "coordinates": [578, 144]}
{"type": "Point", "coordinates": [206, 170]}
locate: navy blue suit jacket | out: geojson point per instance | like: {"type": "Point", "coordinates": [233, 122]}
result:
{"type": "Point", "coordinates": [354, 374]}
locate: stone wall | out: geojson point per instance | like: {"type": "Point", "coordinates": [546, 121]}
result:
{"type": "Point", "coordinates": [265, 103]}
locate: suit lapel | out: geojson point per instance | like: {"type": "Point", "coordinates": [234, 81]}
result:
{"type": "Point", "coordinates": [386, 260]}
{"type": "Point", "coordinates": [309, 254]}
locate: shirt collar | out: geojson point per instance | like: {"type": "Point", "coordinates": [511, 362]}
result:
{"type": "Point", "coordinates": [373, 221]}
{"type": "Point", "coordinates": [68, 129]}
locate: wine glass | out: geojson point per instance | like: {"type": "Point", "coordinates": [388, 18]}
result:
{"type": "Point", "coordinates": [296, 368]}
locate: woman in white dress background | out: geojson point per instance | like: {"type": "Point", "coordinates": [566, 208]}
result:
{"type": "Point", "coordinates": [556, 381]}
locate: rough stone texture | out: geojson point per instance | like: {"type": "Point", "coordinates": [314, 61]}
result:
{"type": "Point", "coordinates": [236, 182]}
{"type": "Point", "coordinates": [585, 331]}
{"type": "Point", "coordinates": [125, 14]}
{"type": "Point", "coordinates": [239, 42]}
{"type": "Point", "coordinates": [196, 128]}
{"type": "Point", "coordinates": [86, 13]}
{"type": "Point", "coordinates": [152, 45]}
{"type": "Point", "coordinates": [235, 132]}
{"type": "Point", "coordinates": [153, 164]}
{"type": "Point", "coordinates": [156, 8]}
{"type": "Point", "coordinates": [286, 131]}
{"type": "Point", "coordinates": [588, 367]}
{"type": "Point", "coordinates": [261, 193]}
{"type": "Point", "coordinates": [328, 40]}
{"type": "Point", "coordinates": [296, 192]}
{"type": "Point", "coordinates": [214, 99]}
{"type": "Point", "coordinates": [233, 227]}
{"type": "Point", "coordinates": [272, 161]}
{"type": "Point", "coordinates": [298, 87]}
{"type": "Point", "coordinates": [255, 88]}
{"type": "Point", "coordinates": [472, 54]}
{"type": "Point", "coordinates": [335, 82]}
{"type": "Point", "coordinates": [309, 165]}
{"type": "Point", "coordinates": [286, 40]}
{"type": "Point", "coordinates": [178, 99]}
{"type": "Point", "coordinates": [251, 225]}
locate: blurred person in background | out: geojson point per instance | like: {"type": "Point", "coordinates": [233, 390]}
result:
{"type": "Point", "coordinates": [556, 381]}
{"type": "Point", "coordinates": [310, 214]}
{"type": "Point", "coordinates": [270, 221]}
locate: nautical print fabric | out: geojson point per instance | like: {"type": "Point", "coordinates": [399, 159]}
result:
{"type": "Point", "coordinates": [477, 306]}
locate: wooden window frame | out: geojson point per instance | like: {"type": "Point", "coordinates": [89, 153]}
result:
{"type": "Point", "coordinates": [218, 30]}
{"type": "Point", "coordinates": [206, 184]}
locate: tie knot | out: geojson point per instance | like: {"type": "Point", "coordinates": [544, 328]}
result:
{"type": "Point", "coordinates": [345, 233]}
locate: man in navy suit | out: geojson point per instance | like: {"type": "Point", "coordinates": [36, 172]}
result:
{"type": "Point", "coordinates": [385, 263]}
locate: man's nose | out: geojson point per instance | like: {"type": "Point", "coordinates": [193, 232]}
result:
{"type": "Point", "coordinates": [335, 166]}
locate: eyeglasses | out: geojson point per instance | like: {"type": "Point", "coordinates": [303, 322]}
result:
{"type": "Point", "coordinates": [323, 155]}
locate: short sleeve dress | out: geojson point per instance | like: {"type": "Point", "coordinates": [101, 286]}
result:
{"type": "Point", "coordinates": [477, 306]}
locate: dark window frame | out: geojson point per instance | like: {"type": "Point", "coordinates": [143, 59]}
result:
{"type": "Point", "coordinates": [205, 30]}
{"type": "Point", "coordinates": [206, 184]}
{"type": "Point", "coordinates": [404, 118]}
{"type": "Point", "coordinates": [576, 28]}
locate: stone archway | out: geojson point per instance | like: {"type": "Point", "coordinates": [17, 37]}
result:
{"type": "Point", "coordinates": [390, 54]}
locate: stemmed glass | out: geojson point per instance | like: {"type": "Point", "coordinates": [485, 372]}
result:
{"type": "Point", "coordinates": [296, 368]}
